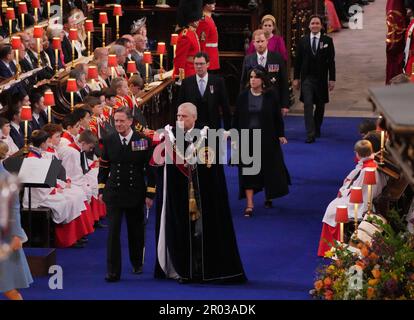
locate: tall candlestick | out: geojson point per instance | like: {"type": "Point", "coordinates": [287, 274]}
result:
{"type": "Point", "coordinates": [26, 124]}
{"type": "Point", "coordinates": [48, 11]}
{"type": "Point", "coordinates": [22, 21]}
{"type": "Point", "coordinates": [73, 54]}
{"type": "Point", "coordinates": [38, 53]}
{"type": "Point", "coordinates": [49, 114]}
{"type": "Point", "coordinates": [36, 17]}
{"type": "Point", "coordinates": [57, 61]}
{"type": "Point", "coordinates": [382, 147]}
{"type": "Point", "coordinates": [142, 4]}
{"type": "Point", "coordinates": [146, 76]}
{"type": "Point", "coordinates": [355, 236]}
{"type": "Point", "coordinates": [72, 103]}
{"type": "Point", "coordinates": [18, 71]}
{"type": "Point", "coordinates": [10, 28]}
{"type": "Point", "coordinates": [161, 68]}
{"type": "Point", "coordinates": [89, 44]}
{"type": "Point", "coordinates": [61, 11]}
{"type": "Point", "coordinates": [117, 27]}
{"type": "Point", "coordinates": [103, 35]}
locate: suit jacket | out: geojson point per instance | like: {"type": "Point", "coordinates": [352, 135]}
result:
{"type": "Point", "coordinates": [5, 72]}
{"type": "Point", "coordinates": [324, 62]}
{"type": "Point", "coordinates": [18, 138]}
{"type": "Point", "coordinates": [38, 124]}
{"type": "Point", "coordinates": [208, 105]}
{"type": "Point", "coordinates": [46, 72]}
{"type": "Point", "coordinates": [51, 53]}
{"type": "Point", "coordinates": [26, 66]}
{"type": "Point", "coordinates": [277, 74]}
{"type": "Point", "coordinates": [123, 170]}
{"type": "Point", "coordinates": [67, 50]}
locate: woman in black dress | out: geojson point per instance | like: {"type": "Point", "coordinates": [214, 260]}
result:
{"type": "Point", "coordinates": [258, 108]}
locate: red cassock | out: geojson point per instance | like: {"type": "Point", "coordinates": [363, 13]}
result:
{"type": "Point", "coordinates": [208, 35]}
{"type": "Point", "coordinates": [409, 38]}
{"type": "Point", "coordinates": [187, 47]}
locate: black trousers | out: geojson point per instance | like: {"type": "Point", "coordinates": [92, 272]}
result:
{"type": "Point", "coordinates": [313, 117]}
{"type": "Point", "coordinates": [135, 226]}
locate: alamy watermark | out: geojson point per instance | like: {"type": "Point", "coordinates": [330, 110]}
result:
{"type": "Point", "coordinates": [210, 147]}
{"type": "Point", "coordinates": [356, 21]}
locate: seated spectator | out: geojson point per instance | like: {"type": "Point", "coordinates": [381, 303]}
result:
{"type": "Point", "coordinates": [5, 137]}
{"type": "Point", "coordinates": [100, 54]}
{"type": "Point", "coordinates": [7, 67]}
{"type": "Point", "coordinates": [121, 55]}
{"type": "Point", "coordinates": [55, 31]}
{"type": "Point", "coordinates": [16, 125]}
{"type": "Point", "coordinates": [39, 110]}
{"type": "Point", "coordinates": [330, 231]}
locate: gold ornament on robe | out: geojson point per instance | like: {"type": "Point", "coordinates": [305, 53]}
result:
{"type": "Point", "coordinates": [396, 29]}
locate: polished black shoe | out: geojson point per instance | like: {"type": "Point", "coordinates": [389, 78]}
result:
{"type": "Point", "coordinates": [112, 277]}
{"type": "Point", "coordinates": [268, 204]}
{"type": "Point", "coordinates": [137, 270]}
{"type": "Point", "coordinates": [99, 225]}
{"type": "Point", "coordinates": [78, 245]}
{"type": "Point", "coordinates": [310, 140]}
{"type": "Point", "coordinates": [83, 240]}
{"type": "Point", "coordinates": [248, 212]}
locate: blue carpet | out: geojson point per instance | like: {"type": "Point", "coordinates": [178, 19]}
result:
{"type": "Point", "coordinates": [278, 246]}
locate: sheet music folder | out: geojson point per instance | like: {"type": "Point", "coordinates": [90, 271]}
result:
{"type": "Point", "coordinates": [36, 173]}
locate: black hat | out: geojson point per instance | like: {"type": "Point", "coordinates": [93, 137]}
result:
{"type": "Point", "coordinates": [189, 11]}
{"type": "Point", "coordinates": [208, 2]}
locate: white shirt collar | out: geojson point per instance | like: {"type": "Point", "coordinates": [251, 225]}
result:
{"type": "Point", "coordinates": [128, 137]}
{"type": "Point", "coordinates": [264, 54]}
{"type": "Point", "coordinates": [36, 116]}
{"type": "Point", "coordinates": [318, 35]}
{"type": "Point", "coordinates": [205, 78]}
{"type": "Point", "coordinates": [14, 125]}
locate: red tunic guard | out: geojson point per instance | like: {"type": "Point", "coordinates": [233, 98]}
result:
{"type": "Point", "coordinates": [188, 46]}
{"type": "Point", "coordinates": [208, 35]}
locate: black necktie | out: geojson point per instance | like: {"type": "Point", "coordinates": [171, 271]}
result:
{"type": "Point", "coordinates": [124, 142]}
{"type": "Point", "coordinates": [314, 45]}
{"type": "Point", "coordinates": [83, 162]}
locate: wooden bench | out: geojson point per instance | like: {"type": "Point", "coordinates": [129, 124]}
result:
{"type": "Point", "coordinates": [39, 227]}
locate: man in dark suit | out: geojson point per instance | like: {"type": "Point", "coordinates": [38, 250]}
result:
{"type": "Point", "coordinates": [123, 167]}
{"type": "Point", "coordinates": [208, 93]}
{"type": "Point", "coordinates": [68, 23]}
{"type": "Point", "coordinates": [7, 67]}
{"type": "Point", "coordinates": [39, 115]}
{"type": "Point", "coordinates": [17, 126]}
{"type": "Point", "coordinates": [273, 63]}
{"type": "Point", "coordinates": [315, 75]}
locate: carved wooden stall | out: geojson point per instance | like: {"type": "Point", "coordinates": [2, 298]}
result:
{"type": "Point", "coordinates": [395, 104]}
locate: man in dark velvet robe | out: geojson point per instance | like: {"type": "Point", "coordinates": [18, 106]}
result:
{"type": "Point", "coordinates": [195, 235]}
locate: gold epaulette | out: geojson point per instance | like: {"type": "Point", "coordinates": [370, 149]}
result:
{"type": "Point", "coordinates": [151, 190]}
{"type": "Point", "coordinates": [101, 186]}
{"type": "Point", "coordinates": [139, 127]}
